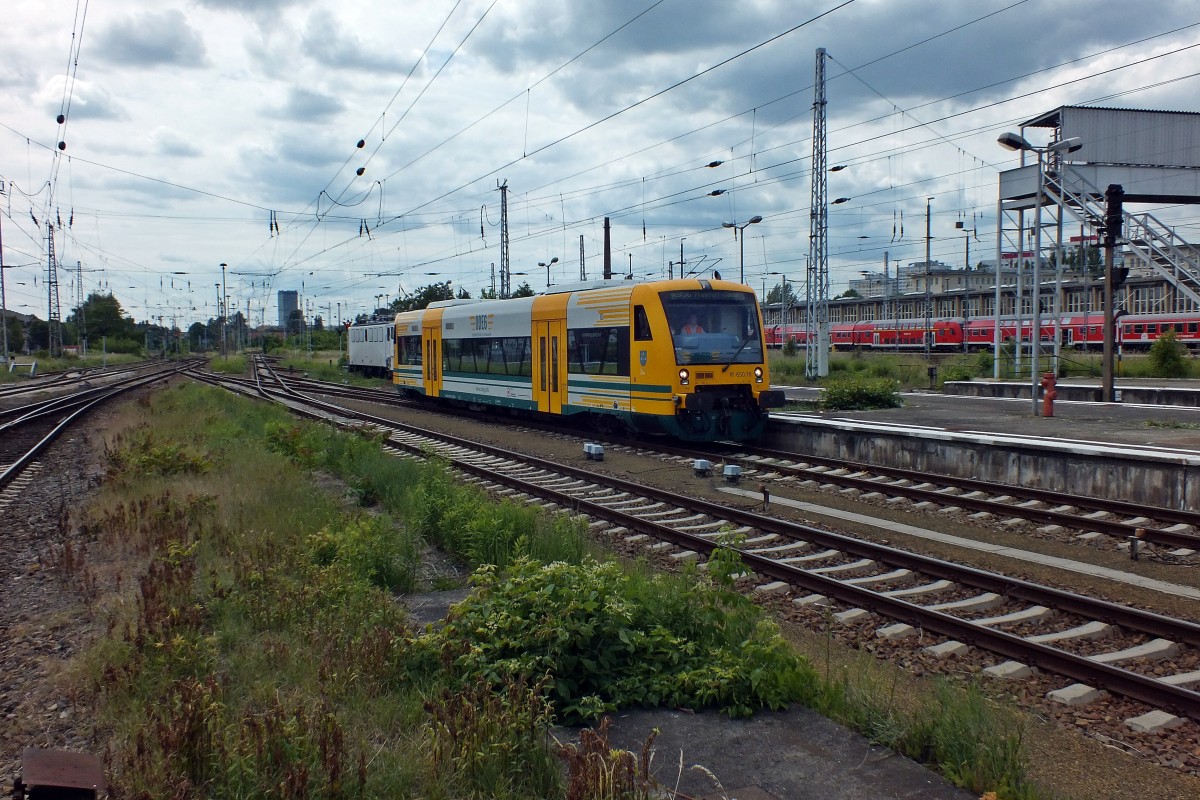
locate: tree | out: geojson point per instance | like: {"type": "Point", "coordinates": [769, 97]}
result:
{"type": "Point", "coordinates": [16, 334]}
{"type": "Point", "coordinates": [524, 290]}
{"type": "Point", "coordinates": [775, 295]}
{"type": "Point", "coordinates": [103, 316]}
{"type": "Point", "coordinates": [849, 293]}
{"type": "Point", "coordinates": [422, 297]}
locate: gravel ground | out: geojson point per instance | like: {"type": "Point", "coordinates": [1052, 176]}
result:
{"type": "Point", "coordinates": [44, 622]}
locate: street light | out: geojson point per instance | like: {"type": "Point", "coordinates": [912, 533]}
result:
{"type": "Point", "coordinates": [742, 242]}
{"type": "Point", "coordinates": [1013, 141]}
{"type": "Point", "coordinates": [547, 264]}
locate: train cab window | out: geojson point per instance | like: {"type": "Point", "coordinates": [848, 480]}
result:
{"type": "Point", "coordinates": [724, 331]}
{"type": "Point", "coordinates": [641, 325]}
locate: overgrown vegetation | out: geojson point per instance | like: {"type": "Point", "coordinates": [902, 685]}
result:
{"type": "Point", "coordinates": [265, 655]}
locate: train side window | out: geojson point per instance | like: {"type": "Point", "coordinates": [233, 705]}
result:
{"type": "Point", "coordinates": [1151, 328]}
{"type": "Point", "coordinates": [641, 325]}
{"type": "Point", "coordinates": [1193, 328]}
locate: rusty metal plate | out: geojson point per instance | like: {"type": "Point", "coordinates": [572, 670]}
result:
{"type": "Point", "coordinates": [61, 768]}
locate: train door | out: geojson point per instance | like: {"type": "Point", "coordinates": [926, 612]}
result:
{"type": "Point", "coordinates": [431, 357]}
{"type": "Point", "coordinates": [550, 354]}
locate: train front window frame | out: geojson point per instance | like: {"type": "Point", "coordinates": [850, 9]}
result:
{"type": "Point", "coordinates": [726, 328]}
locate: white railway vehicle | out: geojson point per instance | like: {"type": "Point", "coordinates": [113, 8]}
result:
{"type": "Point", "coordinates": [371, 347]}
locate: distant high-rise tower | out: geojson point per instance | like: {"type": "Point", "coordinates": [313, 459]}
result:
{"type": "Point", "coordinates": [289, 302]}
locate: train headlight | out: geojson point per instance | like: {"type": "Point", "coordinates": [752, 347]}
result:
{"type": "Point", "coordinates": [758, 374]}
{"type": "Point", "coordinates": [683, 376]}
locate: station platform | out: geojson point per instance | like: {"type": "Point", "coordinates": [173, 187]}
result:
{"type": "Point", "coordinates": [1144, 451]}
{"type": "Point", "coordinates": [1129, 422]}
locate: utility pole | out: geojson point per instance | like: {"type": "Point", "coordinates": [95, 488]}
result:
{"type": "Point", "coordinates": [582, 266]}
{"type": "Point", "coordinates": [224, 322]}
{"type": "Point", "coordinates": [1113, 217]}
{"type": "Point", "coordinates": [82, 319]}
{"type": "Point", "coordinates": [928, 278]}
{"type": "Point", "coordinates": [505, 266]}
{"type": "Point", "coordinates": [3, 299]}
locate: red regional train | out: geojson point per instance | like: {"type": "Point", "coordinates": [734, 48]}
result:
{"type": "Point", "coordinates": [1085, 331]}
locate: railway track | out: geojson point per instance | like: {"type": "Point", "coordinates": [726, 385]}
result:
{"type": "Point", "coordinates": [1086, 519]}
{"type": "Point", "coordinates": [1099, 645]}
{"type": "Point", "coordinates": [26, 431]}
{"type": "Point", "coordinates": [64, 379]}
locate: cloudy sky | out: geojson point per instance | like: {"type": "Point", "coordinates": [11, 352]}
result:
{"type": "Point", "coordinates": [202, 132]}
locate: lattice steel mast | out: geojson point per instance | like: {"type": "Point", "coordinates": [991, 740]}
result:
{"type": "Point", "coordinates": [505, 267]}
{"type": "Point", "coordinates": [816, 284]}
{"type": "Point", "coordinates": [54, 311]}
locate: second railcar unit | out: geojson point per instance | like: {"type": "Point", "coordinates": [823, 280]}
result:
{"type": "Point", "coordinates": [684, 358]}
{"type": "Point", "coordinates": [370, 346]}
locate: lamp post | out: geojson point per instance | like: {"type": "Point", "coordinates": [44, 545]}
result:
{"type": "Point", "coordinates": [741, 229]}
{"type": "Point", "coordinates": [1013, 141]}
{"type": "Point", "coordinates": [547, 265]}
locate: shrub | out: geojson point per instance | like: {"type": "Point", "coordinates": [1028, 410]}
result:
{"type": "Point", "coordinates": [1168, 357]}
{"type": "Point", "coordinates": [608, 640]}
{"type": "Point", "coordinates": [857, 394]}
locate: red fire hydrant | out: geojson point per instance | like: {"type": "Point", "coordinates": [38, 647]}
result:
{"type": "Point", "coordinates": [1049, 393]}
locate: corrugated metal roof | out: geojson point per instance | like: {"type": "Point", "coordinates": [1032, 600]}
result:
{"type": "Point", "coordinates": [1050, 119]}
{"type": "Point", "coordinates": [1126, 136]}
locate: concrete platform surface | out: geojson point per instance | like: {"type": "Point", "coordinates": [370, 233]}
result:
{"type": "Point", "coordinates": [786, 755]}
{"type": "Point", "coordinates": [1111, 423]}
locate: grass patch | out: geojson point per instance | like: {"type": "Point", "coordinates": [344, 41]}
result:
{"type": "Point", "coordinates": [229, 365]}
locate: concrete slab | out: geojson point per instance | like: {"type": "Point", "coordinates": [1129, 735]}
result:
{"type": "Point", "coordinates": [809, 758]}
{"type": "Point", "coordinates": [1184, 678]}
{"type": "Point", "coordinates": [948, 649]}
{"type": "Point", "coordinates": [1154, 722]}
{"type": "Point", "coordinates": [813, 600]}
{"type": "Point", "coordinates": [772, 588]}
{"type": "Point", "coordinates": [1089, 630]}
{"type": "Point", "coordinates": [1009, 670]}
{"type": "Point", "coordinates": [1031, 614]}
{"type": "Point", "coordinates": [916, 591]}
{"type": "Point", "coordinates": [980, 602]}
{"type": "Point", "coordinates": [852, 615]}
{"type": "Point", "coordinates": [897, 631]}
{"type": "Point", "coordinates": [1153, 650]}
{"type": "Point", "coordinates": [1077, 694]}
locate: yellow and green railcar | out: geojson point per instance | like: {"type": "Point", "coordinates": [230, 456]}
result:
{"type": "Point", "coordinates": [684, 358]}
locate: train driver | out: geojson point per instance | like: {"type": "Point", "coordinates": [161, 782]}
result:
{"type": "Point", "coordinates": [692, 325]}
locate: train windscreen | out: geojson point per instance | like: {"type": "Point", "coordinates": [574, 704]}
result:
{"type": "Point", "coordinates": [714, 327]}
